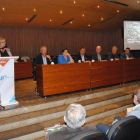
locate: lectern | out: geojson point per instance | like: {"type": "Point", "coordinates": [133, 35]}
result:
{"type": "Point", "coordinates": [7, 84]}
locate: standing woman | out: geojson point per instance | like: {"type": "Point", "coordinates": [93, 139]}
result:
{"type": "Point", "coordinates": [4, 51]}
{"type": "Point", "coordinates": [65, 57]}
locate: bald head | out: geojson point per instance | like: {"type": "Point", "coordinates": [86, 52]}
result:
{"type": "Point", "coordinates": [98, 49]}
{"type": "Point", "coordinates": [114, 49]}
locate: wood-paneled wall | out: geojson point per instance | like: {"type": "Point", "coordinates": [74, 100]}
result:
{"type": "Point", "coordinates": [27, 41]}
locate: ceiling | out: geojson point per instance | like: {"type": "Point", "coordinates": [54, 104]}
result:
{"type": "Point", "coordinates": [86, 14]}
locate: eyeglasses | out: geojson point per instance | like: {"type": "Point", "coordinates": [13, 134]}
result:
{"type": "Point", "coordinates": [44, 50]}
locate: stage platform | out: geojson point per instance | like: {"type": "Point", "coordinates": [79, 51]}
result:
{"type": "Point", "coordinates": [34, 113]}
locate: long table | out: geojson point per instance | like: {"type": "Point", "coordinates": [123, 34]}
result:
{"type": "Point", "coordinates": [23, 70]}
{"type": "Point", "coordinates": [61, 78]}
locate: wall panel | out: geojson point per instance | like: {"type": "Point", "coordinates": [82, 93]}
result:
{"type": "Point", "coordinates": [27, 41]}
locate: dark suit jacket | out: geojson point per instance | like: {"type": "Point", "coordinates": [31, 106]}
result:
{"type": "Point", "coordinates": [123, 56]}
{"type": "Point", "coordinates": [78, 57]}
{"type": "Point", "coordinates": [67, 133]}
{"type": "Point", "coordinates": [39, 60]}
{"type": "Point", "coordinates": [94, 56]}
{"type": "Point", "coordinates": [111, 56]}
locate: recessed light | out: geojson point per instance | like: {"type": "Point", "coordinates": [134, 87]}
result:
{"type": "Point", "coordinates": [118, 11]}
{"type": "Point", "coordinates": [89, 25]}
{"type": "Point", "coordinates": [34, 9]}
{"type": "Point", "coordinates": [50, 20]}
{"type": "Point", "coordinates": [83, 15]}
{"type": "Point", "coordinates": [74, 1]}
{"type": "Point", "coordinates": [71, 22]}
{"type": "Point", "coordinates": [138, 1]}
{"type": "Point", "coordinates": [102, 18]}
{"type": "Point", "coordinates": [26, 18]}
{"type": "Point", "coordinates": [98, 6]}
{"type": "Point", "coordinates": [3, 8]}
{"type": "Point", "coordinates": [61, 12]}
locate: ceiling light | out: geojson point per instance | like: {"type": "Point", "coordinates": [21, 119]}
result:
{"type": "Point", "coordinates": [3, 9]}
{"type": "Point", "coordinates": [71, 22]}
{"type": "Point", "coordinates": [102, 18]}
{"type": "Point", "coordinates": [74, 1]}
{"type": "Point", "coordinates": [83, 15]}
{"type": "Point", "coordinates": [26, 18]}
{"type": "Point", "coordinates": [61, 12]}
{"type": "Point", "coordinates": [89, 25]}
{"type": "Point", "coordinates": [138, 1]}
{"type": "Point", "coordinates": [118, 11]}
{"type": "Point", "coordinates": [98, 6]}
{"type": "Point", "coordinates": [34, 9]}
{"type": "Point", "coordinates": [50, 20]}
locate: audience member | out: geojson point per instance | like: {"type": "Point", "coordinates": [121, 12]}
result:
{"type": "Point", "coordinates": [113, 55]}
{"type": "Point", "coordinates": [74, 117]}
{"type": "Point", "coordinates": [127, 54]}
{"type": "Point", "coordinates": [65, 57]}
{"type": "Point", "coordinates": [43, 57]}
{"type": "Point", "coordinates": [98, 56]}
{"type": "Point", "coordinates": [4, 50]}
{"type": "Point", "coordinates": [82, 56]}
{"type": "Point", "coordinates": [134, 111]}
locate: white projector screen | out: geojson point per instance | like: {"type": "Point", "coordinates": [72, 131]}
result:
{"type": "Point", "coordinates": [131, 34]}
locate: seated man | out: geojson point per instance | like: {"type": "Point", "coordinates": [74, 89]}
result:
{"type": "Point", "coordinates": [134, 111]}
{"type": "Point", "coordinates": [113, 55]}
{"type": "Point", "coordinates": [98, 56]}
{"type": "Point", "coordinates": [82, 55]}
{"type": "Point", "coordinates": [127, 54]}
{"type": "Point", "coordinates": [74, 117]}
{"type": "Point", "coordinates": [43, 58]}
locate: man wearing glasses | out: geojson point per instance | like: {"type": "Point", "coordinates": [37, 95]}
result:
{"type": "Point", "coordinates": [43, 57]}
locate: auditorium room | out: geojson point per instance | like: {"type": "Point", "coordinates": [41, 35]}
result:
{"type": "Point", "coordinates": [70, 69]}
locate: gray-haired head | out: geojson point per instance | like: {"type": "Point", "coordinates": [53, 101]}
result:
{"type": "Point", "coordinates": [43, 47]}
{"type": "Point", "coordinates": [114, 48]}
{"type": "Point", "coordinates": [75, 116]}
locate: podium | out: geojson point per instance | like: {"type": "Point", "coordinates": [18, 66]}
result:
{"type": "Point", "coordinates": [7, 83]}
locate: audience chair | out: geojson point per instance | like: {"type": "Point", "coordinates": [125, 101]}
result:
{"type": "Point", "coordinates": [126, 129]}
{"type": "Point", "coordinates": [91, 135]}
{"type": "Point", "coordinates": [34, 69]}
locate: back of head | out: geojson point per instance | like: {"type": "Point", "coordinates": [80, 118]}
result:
{"type": "Point", "coordinates": [75, 116]}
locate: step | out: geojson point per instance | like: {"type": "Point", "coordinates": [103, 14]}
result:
{"type": "Point", "coordinates": [28, 122]}
{"type": "Point", "coordinates": [109, 110]}
{"type": "Point", "coordinates": [78, 98]}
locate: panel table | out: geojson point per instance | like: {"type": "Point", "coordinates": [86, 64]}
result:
{"type": "Point", "coordinates": [23, 70]}
{"type": "Point", "coordinates": [106, 73]}
{"type": "Point", "coordinates": [61, 78]}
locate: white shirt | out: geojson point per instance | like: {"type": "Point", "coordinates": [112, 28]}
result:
{"type": "Point", "coordinates": [44, 60]}
{"type": "Point", "coordinates": [83, 58]}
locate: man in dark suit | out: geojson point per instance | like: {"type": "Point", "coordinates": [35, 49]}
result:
{"type": "Point", "coordinates": [82, 55]}
{"type": "Point", "coordinates": [98, 56]}
{"type": "Point", "coordinates": [127, 54]}
{"type": "Point", "coordinates": [43, 58]}
{"type": "Point", "coordinates": [113, 55]}
{"type": "Point", "coordinates": [74, 117]}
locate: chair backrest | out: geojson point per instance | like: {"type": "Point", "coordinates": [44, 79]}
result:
{"type": "Point", "coordinates": [91, 135]}
{"type": "Point", "coordinates": [34, 70]}
{"type": "Point", "coordinates": [126, 129]}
